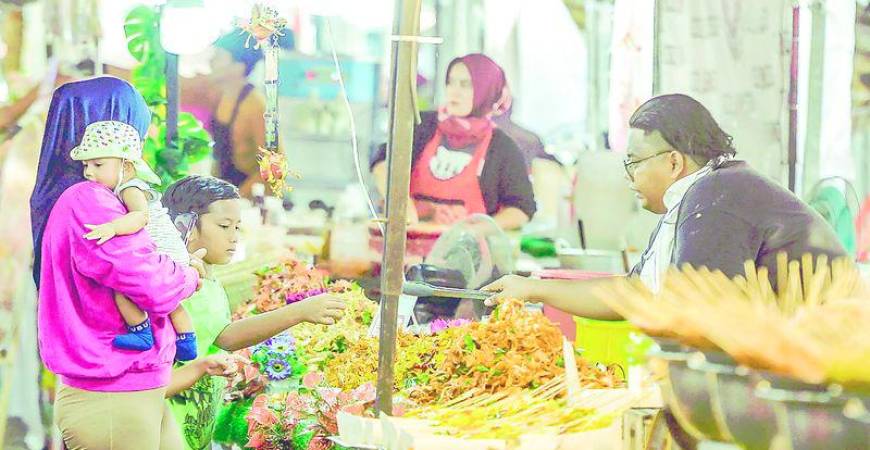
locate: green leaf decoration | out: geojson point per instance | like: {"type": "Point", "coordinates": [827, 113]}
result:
{"type": "Point", "coordinates": [142, 30]}
{"type": "Point", "coordinates": [192, 142]}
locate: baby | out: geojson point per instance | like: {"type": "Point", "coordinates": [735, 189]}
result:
{"type": "Point", "coordinates": [112, 156]}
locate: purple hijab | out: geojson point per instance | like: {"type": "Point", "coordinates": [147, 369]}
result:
{"type": "Point", "coordinates": [488, 81]}
{"type": "Point", "coordinates": [74, 106]}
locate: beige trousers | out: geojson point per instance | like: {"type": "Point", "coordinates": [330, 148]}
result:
{"type": "Point", "coordinates": [139, 420]}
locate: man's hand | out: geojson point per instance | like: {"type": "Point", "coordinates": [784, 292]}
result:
{"type": "Point", "coordinates": [509, 286]}
{"type": "Point", "coordinates": [197, 263]}
{"type": "Point", "coordinates": [325, 309]}
{"type": "Point", "coordinates": [100, 233]}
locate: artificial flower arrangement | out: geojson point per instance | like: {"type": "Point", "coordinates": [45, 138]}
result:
{"type": "Point", "coordinates": [321, 369]}
{"type": "Point", "coordinates": [273, 364]}
{"type": "Point", "coordinates": [287, 282]}
{"type": "Point", "coordinates": [278, 364]}
{"type": "Point", "coordinates": [306, 418]}
{"type": "Point", "coordinates": [277, 358]}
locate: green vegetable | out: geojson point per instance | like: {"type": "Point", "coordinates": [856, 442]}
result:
{"type": "Point", "coordinates": [470, 345]}
{"type": "Point", "coordinates": [303, 432]}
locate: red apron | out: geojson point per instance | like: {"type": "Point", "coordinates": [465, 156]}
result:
{"type": "Point", "coordinates": [448, 201]}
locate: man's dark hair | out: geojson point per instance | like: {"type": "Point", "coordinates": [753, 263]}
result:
{"type": "Point", "coordinates": [686, 125]}
{"type": "Point", "coordinates": [195, 193]}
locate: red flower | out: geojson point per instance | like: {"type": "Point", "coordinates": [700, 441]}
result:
{"type": "Point", "coordinates": [261, 414]}
{"type": "Point", "coordinates": [356, 409]}
{"type": "Point", "coordinates": [365, 393]}
{"type": "Point", "coordinates": [312, 379]}
{"type": "Point", "coordinates": [256, 440]}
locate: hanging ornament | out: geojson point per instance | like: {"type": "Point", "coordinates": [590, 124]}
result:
{"type": "Point", "coordinates": [265, 23]}
{"type": "Point", "coordinates": [274, 170]}
{"type": "Point", "coordinates": [265, 26]}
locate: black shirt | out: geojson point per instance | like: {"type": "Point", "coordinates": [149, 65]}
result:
{"type": "Point", "coordinates": [734, 215]}
{"type": "Point", "coordinates": [504, 181]}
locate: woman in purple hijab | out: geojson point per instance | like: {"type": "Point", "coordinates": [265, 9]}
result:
{"type": "Point", "coordinates": [462, 163]}
{"type": "Point", "coordinates": [106, 397]}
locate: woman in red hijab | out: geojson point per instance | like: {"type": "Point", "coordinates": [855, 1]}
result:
{"type": "Point", "coordinates": [462, 164]}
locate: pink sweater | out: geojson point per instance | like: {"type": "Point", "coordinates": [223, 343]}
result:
{"type": "Point", "coordinates": [77, 313]}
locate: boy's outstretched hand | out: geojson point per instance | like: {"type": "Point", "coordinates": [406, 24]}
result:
{"type": "Point", "coordinates": [324, 309]}
{"type": "Point", "coordinates": [219, 365]}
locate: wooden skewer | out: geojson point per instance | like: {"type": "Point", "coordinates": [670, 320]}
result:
{"type": "Point", "coordinates": [766, 289]}
{"type": "Point", "coordinates": [781, 276]}
{"type": "Point", "coordinates": [815, 286]}
{"type": "Point", "coordinates": [807, 273]}
{"type": "Point", "coordinates": [794, 287]}
{"type": "Point", "coordinates": [753, 286]}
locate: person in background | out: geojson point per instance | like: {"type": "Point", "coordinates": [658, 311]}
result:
{"type": "Point", "coordinates": [9, 114]}
{"type": "Point", "coordinates": [209, 212]}
{"type": "Point", "coordinates": [530, 145]}
{"type": "Point", "coordinates": [462, 163]}
{"type": "Point", "coordinates": [549, 179]}
{"type": "Point", "coordinates": [236, 119]}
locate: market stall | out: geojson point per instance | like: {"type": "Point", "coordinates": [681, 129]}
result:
{"type": "Point", "coordinates": [736, 362]}
{"type": "Point", "coordinates": [301, 386]}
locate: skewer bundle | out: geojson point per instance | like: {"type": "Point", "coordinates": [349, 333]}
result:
{"type": "Point", "coordinates": [509, 414]}
{"type": "Point", "coordinates": [805, 328]}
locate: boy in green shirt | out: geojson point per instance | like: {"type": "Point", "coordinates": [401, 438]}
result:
{"type": "Point", "coordinates": [208, 211]}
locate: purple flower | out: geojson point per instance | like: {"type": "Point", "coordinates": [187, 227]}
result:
{"type": "Point", "coordinates": [283, 338]}
{"type": "Point", "coordinates": [438, 325]}
{"type": "Point", "coordinates": [459, 323]}
{"type": "Point", "coordinates": [283, 347]}
{"type": "Point", "coordinates": [281, 344]}
{"type": "Point", "coordinates": [277, 369]}
{"type": "Point", "coordinates": [299, 296]}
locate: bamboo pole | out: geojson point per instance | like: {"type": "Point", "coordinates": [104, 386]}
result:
{"type": "Point", "coordinates": [403, 73]}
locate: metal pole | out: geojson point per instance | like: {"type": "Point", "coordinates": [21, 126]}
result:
{"type": "Point", "coordinates": [172, 97]}
{"type": "Point", "coordinates": [403, 73]}
{"type": "Point", "coordinates": [657, 48]}
{"type": "Point", "coordinates": [793, 99]}
{"type": "Point", "coordinates": [815, 97]}
{"type": "Point", "coordinates": [593, 77]}
{"type": "Point", "coordinates": [271, 52]}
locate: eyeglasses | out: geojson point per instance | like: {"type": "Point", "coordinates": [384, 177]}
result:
{"type": "Point", "coordinates": [631, 166]}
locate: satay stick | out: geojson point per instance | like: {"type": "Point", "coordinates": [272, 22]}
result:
{"type": "Point", "coordinates": [807, 272]}
{"type": "Point", "coordinates": [795, 295]}
{"type": "Point", "coordinates": [814, 293]}
{"type": "Point", "coordinates": [781, 277]}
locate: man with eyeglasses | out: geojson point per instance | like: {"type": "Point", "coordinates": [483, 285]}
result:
{"type": "Point", "coordinates": [716, 211]}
